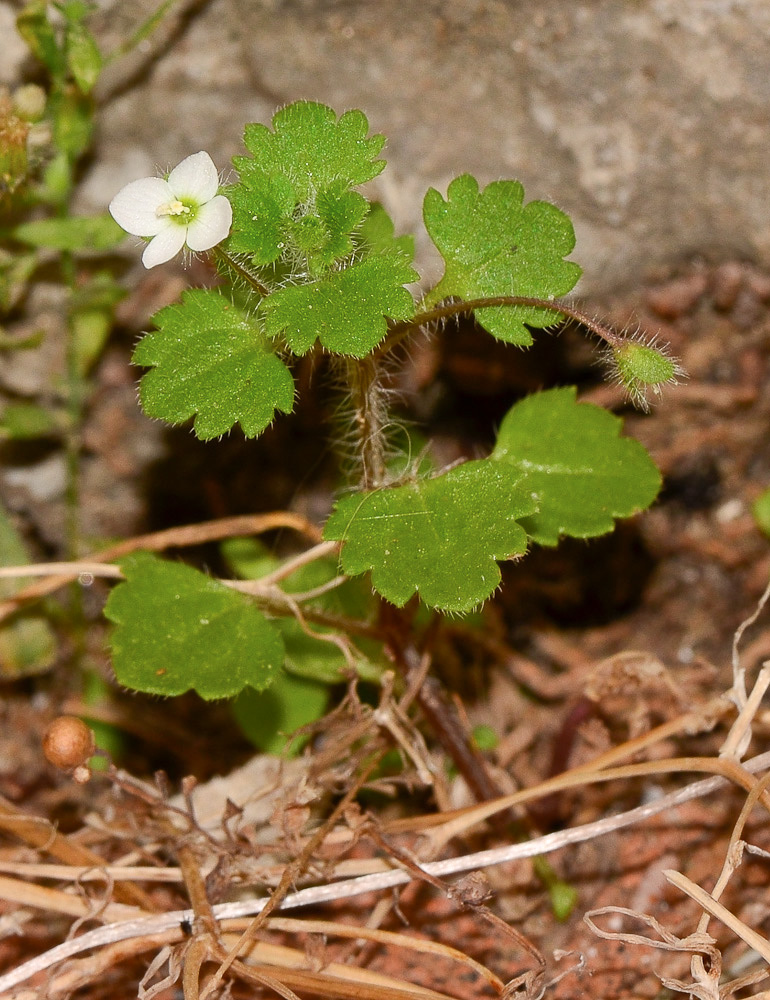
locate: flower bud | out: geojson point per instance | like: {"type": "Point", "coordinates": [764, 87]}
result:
{"type": "Point", "coordinates": [29, 102]}
{"type": "Point", "coordinates": [641, 367]}
{"type": "Point", "coordinates": [13, 147]}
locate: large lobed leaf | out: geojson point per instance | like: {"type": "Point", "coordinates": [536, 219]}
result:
{"type": "Point", "coordinates": [559, 468]}
{"type": "Point", "coordinates": [314, 149]}
{"type": "Point", "coordinates": [493, 244]}
{"type": "Point", "coordinates": [436, 537]}
{"type": "Point", "coordinates": [208, 359]}
{"type": "Point", "coordinates": [346, 310]}
{"type": "Point", "coordinates": [177, 629]}
{"type": "Point", "coordinates": [294, 199]}
{"type": "Point", "coordinates": [583, 473]}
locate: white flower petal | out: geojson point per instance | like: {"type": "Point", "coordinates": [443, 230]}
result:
{"type": "Point", "coordinates": [195, 178]}
{"type": "Point", "coordinates": [134, 207]}
{"type": "Point", "coordinates": [211, 225]}
{"type": "Point", "coordinates": [165, 245]}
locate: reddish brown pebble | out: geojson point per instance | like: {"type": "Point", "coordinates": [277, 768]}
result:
{"type": "Point", "coordinates": [68, 743]}
{"type": "Point", "coordinates": [726, 283]}
{"type": "Point", "coordinates": [675, 298]}
{"type": "Point", "coordinates": [759, 283]}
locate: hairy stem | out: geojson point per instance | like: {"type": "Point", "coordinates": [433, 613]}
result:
{"type": "Point", "coordinates": [363, 378]}
{"type": "Point", "coordinates": [399, 331]}
{"type": "Point", "coordinates": [241, 272]}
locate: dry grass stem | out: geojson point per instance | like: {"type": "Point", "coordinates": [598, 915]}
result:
{"type": "Point", "coordinates": [716, 909]}
{"type": "Point", "coordinates": [190, 534]}
{"type": "Point", "coordinates": [161, 924]}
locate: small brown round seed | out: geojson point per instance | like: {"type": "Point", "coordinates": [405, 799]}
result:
{"type": "Point", "coordinates": [68, 742]}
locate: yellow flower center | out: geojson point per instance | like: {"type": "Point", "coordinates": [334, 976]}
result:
{"type": "Point", "coordinates": [174, 207]}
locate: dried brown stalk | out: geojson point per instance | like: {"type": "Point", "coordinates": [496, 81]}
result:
{"type": "Point", "coordinates": [157, 541]}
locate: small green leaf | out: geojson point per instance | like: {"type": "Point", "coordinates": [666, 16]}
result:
{"type": "Point", "coordinates": [90, 330]}
{"type": "Point", "coordinates": [13, 552]}
{"type": "Point", "coordinates": [346, 310]}
{"type": "Point", "coordinates": [208, 359]}
{"type": "Point", "coordinates": [438, 537]}
{"type": "Point", "coordinates": [564, 897]}
{"type": "Point", "coordinates": [35, 28]}
{"type": "Point", "coordinates": [58, 179]}
{"type": "Point", "coordinates": [262, 207]}
{"type": "Point", "coordinates": [583, 473]}
{"type": "Point", "coordinates": [323, 236]}
{"type": "Point", "coordinates": [15, 272]}
{"type": "Point", "coordinates": [377, 233]}
{"type": "Point", "coordinates": [25, 421]}
{"type": "Point", "coordinates": [92, 314]}
{"type": "Point", "coordinates": [177, 629]}
{"type": "Point", "coordinates": [27, 647]}
{"type": "Point", "coordinates": [87, 232]}
{"type": "Point", "coordinates": [100, 697]}
{"type": "Point", "coordinates": [485, 738]}
{"type": "Point", "coordinates": [72, 115]}
{"type": "Point", "coordinates": [248, 558]}
{"type": "Point", "coordinates": [27, 642]}
{"type": "Point", "coordinates": [493, 244]}
{"type": "Point", "coordinates": [84, 59]}
{"type": "Point", "coordinates": [339, 214]}
{"type": "Point", "coordinates": [268, 718]}
{"type": "Point", "coordinates": [761, 511]}
{"type": "Point", "coordinates": [313, 149]}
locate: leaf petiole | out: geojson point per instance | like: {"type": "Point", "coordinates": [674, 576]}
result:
{"type": "Point", "coordinates": [240, 271]}
{"type": "Point", "coordinates": [399, 331]}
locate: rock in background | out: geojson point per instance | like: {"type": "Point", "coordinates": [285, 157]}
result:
{"type": "Point", "coordinates": [646, 120]}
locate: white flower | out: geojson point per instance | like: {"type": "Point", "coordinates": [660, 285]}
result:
{"type": "Point", "coordinates": [182, 209]}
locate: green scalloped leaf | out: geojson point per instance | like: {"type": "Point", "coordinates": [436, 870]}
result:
{"type": "Point", "coordinates": [437, 537]}
{"type": "Point", "coordinates": [313, 148]}
{"type": "Point", "coordinates": [262, 207]}
{"type": "Point", "coordinates": [294, 199]}
{"type": "Point", "coordinates": [583, 473]}
{"type": "Point", "coordinates": [346, 310]}
{"type": "Point", "coordinates": [208, 359]}
{"type": "Point", "coordinates": [177, 629]}
{"type": "Point", "coordinates": [493, 244]}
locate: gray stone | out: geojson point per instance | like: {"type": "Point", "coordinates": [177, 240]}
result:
{"type": "Point", "coordinates": [646, 121]}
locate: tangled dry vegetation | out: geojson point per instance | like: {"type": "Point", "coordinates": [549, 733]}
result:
{"type": "Point", "coordinates": [638, 777]}
{"type": "Point", "coordinates": [141, 883]}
